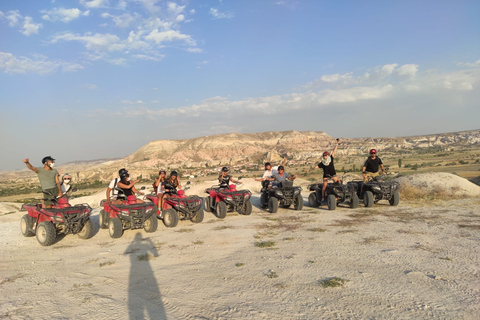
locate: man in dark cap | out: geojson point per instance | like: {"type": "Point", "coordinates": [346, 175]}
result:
{"type": "Point", "coordinates": [48, 178]}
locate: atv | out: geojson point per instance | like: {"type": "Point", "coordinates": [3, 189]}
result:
{"type": "Point", "coordinates": [179, 207]}
{"type": "Point", "coordinates": [62, 218]}
{"type": "Point", "coordinates": [285, 195]}
{"type": "Point", "coordinates": [221, 200]}
{"type": "Point", "coordinates": [128, 214]}
{"type": "Point", "coordinates": [376, 189]}
{"type": "Point", "coordinates": [335, 193]}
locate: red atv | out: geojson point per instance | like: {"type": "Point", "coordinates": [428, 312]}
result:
{"type": "Point", "coordinates": [220, 200]}
{"type": "Point", "coordinates": [179, 207]}
{"type": "Point", "coordinates": [127, 215]}
{"type": "Point", "coordinates": [64, 218]}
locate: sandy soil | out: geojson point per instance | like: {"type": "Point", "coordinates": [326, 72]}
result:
{"type": "Point", "coordinates": [414, 261]}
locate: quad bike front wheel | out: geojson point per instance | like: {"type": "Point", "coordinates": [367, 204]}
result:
{"type": "Point", "coordinates": [170, 218]}
{"type": "Point", "coordinates": [151, 224]}
{"type": "Point", "coordinates": [247, 208]}
{"type": "Point", "coordinates": [26, 226]}
{"type": "Point", "coordinates": [312, 200]}
{"type": "Point", "coordinates": [46, 233]}
{"type": "Point", "coordinates": [264, 201]}
{"type": "Point", "coordinates": [198, 217]}
{"type": "Point", "coordinates": [331, 202]}
{"type": "Point", "coordinates": [354, 201]}
{"type": "Point", "coordinates": [115, 228]}
{"type": "Point", "coordinates": [87, 230]}
{"type": "Point", "coordinates": [273, 205]}
{"type": "Point", "coordinates": [298, 202]}
{"type": "Point", "coordinates": [368, 199]}
{"type": "Point", "coordinates": [102, 219]}
{"type": "Point", "coordinates": [221, 210]}
{"type": "Point", "coordinates": [207, 204]}
{"type": "Point", "coordinates": [395, 199]}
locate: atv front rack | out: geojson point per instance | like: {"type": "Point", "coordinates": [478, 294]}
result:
{"type": "Point", "coordinates": [134, 214]}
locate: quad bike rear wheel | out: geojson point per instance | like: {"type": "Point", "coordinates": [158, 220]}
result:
{"type": "Point", "coordinates": [354, 201]}
{"type": "Point", "coordinates": [264, 201]}
{"type": "Point", "coordinates": [312, 200]}
{"type": "Point", "coordinates": [115, 228]}
{"type": "Point", "coordinates": [247, 209]}
{"type": "Point", "coordinates": [170, 218]}
{"type": "Point", "coordinates": [395, 199]}
{"type": "Point", "coordinates": [298, 202]}
{"type": "Point", "coordinates": [273, 205]}
{"type": "Point", "coordinates": [151, 224]}
{"type": "Point", "coordinates": [102, 219]}
{"type": "Point", "coordinates": [26, 226]}
{"type": "Point", "coordinates": [207, 204]}
{"type": "Point", "coordinates": [331, 202]}
{"type": "Point", "coordinates": [87, 230]}
{"type": "Point", "coordinates": [368, 199]}
{"type": "Point", "coordinates": [46, 233]}
{"type": "Point", "coordinates": [221, 210]}
{"type": "Point", "coordinates": [198, 217]}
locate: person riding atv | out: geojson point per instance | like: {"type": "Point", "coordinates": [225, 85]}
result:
{"type": "Point", "coordinates": [128, 187]}
{"type": "Point", "coordinates": [171, 185]}
{"type": "Point", "coordinates": [48, 178]}
{"type": "Point", "coordinates": [327, 164]}
{"type": "Point", "coordinates": [371, 166]}
{"type": "Point", "coordinates": [224, 179]}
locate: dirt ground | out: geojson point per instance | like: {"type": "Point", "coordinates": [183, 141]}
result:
{"type": "Point", "coordinates": [413, 261]}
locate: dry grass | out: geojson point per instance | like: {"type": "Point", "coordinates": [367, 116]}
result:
{"type": "Point", "coordinates": [371, 240]}
{"type": "Point", "coordinates": [409, 192]}
{"type": "Point", "coordinates": [12, 278]}
{"type": "Point", "coordinates": [183, 230]}
{"type": "Point", "coordinates": [106, 263]}
{"type": "Point", "coordinates": [223, 228]}
{"type": "Point", "coordinates": [332, 282]}
{"type": "Point", "coordinates": [265, 244]}
{"type": "Point", "coordinates": [470, 226]}
{"type": "Point", "coordinates": [145, 257]}
{"type": "Point", "coordinates": [317, 230]}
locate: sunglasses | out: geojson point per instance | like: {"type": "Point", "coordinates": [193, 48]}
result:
{"type": "Point", "coordinates": [66, 179]}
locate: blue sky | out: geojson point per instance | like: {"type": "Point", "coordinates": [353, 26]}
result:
{"type": "Point", "coordinates": [89, 79]}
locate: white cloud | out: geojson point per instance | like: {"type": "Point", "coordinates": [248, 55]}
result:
{"type": "Point", "coordinates": [216, 14]}
{"type": "Point", "coordinates": [352, 91]}
{"type": "Point", "coordinates": [39, 65]}
{"type": "Point", "coordinates": [407, 70]}
{"type": "Point", "coordinates": [14, 19]}
{"type": "Point", "coordinates": [132, 102]}
{"type": "Point", "coordinates": [95, 3]}
{"type": "Point", "coordinates": [169, 36]}
{"type": "Point", "coordinates": [62, 14]}
{"type": "Point", "coordinates": [475, 64]}
{"type": "Point", "coordinates": [90, 86]}
{"type": "Point", "coordinates": [195, 50]}
{"type": "Point", "coordinates": [30, 27]}
{"type": "Point", "coordinates": [97, 42]}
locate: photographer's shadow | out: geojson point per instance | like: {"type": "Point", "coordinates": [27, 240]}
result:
{"type": "Point", "coordinates": [144, 298]}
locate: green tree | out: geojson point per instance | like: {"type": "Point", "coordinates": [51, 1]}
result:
{"type": "Point", "coordinates": [399, 163]}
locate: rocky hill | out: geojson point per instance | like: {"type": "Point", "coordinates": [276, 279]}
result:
{"type": "Point", "coordinates": [249, 149]}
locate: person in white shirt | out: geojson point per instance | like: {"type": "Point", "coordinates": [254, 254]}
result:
{"type": "Point", "coordinates": [65, 184]}
{"type": "Point", "coordinates": [113, 184]}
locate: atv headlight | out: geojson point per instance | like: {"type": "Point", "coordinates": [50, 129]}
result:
{"type": "Point", "coordinates": [58, 219]}
{"type": "Point", "coordinates": [377, 188]}
{"type": "Point", "coordinates": [246, 196]}
{"type": "Point", "coordinates": [296, 191]}
{"type": "Point", "coordinates": [279, 193]}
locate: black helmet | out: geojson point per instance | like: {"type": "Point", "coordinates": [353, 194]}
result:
{"type": "Point", "coordinates": [124, 175]}
{"type": "Point", "coordinates": [46, 159]}
{"type": "Point", "coordinates": [281, 168]}
{"type": "Point", "coordinates": [122, 170]}
{"type": "Point", "coordinates": [174, 173]}
{"type": "Point", "coordinates": [267, 164]}
{"type": "Point", "coordinates": [225, 169]}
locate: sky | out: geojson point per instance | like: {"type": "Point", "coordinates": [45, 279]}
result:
{"type": "Point", "coordinates": [94, 79]}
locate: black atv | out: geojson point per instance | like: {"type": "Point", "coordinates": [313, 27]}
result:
{"type": "Point", "coordinates": [376, 189]}
{"type": "Point", "coordinates": [285, 195]}
{"type": "Point", "coordinates": [336, 192]}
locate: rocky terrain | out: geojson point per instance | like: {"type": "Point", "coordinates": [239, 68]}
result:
{"type": "Point", "coordinates": [251, 149]}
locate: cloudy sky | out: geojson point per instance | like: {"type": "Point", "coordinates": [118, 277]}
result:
{"type": "Point", "coordinates": [90, 79]}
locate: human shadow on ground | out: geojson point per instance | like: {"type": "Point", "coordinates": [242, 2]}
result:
{"type": "Point", "coordinates": [144, 298]}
